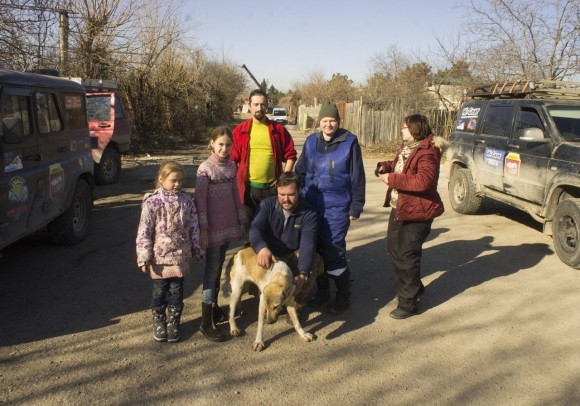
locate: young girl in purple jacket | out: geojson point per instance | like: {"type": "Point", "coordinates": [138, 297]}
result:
{"type": "Point", "coordinates": [222, 220]}
{"type": "Point", "coordinates": [167, 240]}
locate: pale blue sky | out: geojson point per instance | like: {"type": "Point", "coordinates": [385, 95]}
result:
{"type": "Point", "coordinates": [284, 41]}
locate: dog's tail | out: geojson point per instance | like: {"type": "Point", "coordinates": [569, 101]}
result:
{"type": "Point", "coordinates": [227, 286]}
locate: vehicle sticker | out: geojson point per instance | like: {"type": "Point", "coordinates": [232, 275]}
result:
{"type": "Point", "coordinates": [460, 125]}
{"type": "Point", "coordinates": [13, 161]}
{"type": "Point", "coordinates": [72, 102]}
{"type": "Point", "coordinates": [56, 181]}
{"type": "Point", "coordinates": [15, 212]}
{"type": "Point", "coordinates": [512, 164]}
{"type": "Point", "coordinates": [470, 112]}
{"type": "Point", "coordinates": [17, 189]}
{"type": "Point", "coordinates": [471, 124]}
{"type": "Point", "coordinates": [493, 157]}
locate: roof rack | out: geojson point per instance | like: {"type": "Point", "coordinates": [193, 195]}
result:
{"type": "Point", "coordinates": [95, 84]}
{"type": "Point", "coordinates": [552, 89]}
{"type": "Point", "coordinates": [546, 89]}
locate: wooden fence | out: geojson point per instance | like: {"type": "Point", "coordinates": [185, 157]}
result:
{"type": "Point", "coordinates": [380, 126]}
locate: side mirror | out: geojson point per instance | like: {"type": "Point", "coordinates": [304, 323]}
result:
{"type": "Point", "coordinates": [13, 130]}
{"type": "Point", "coordinates": [531, 134]}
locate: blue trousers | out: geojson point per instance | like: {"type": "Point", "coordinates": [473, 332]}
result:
{"type": "Point", "coordinates": [167, 291]}
{"type": "Point", "coordinates": [214, 262]}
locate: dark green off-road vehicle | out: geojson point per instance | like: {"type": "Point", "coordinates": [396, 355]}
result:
{"type": "Point", "coordinates": [519, 143]}
{"type": "Point", "coordinates": [46, 171]}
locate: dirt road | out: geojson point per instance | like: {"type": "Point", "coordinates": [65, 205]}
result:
{"type": "Point", "coordinates": [498, 322]}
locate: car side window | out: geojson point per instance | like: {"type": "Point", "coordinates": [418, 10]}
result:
{"type": "Point", "coordinates": [74, 110]}
{"type": "Point", "coordinates": [47, 114]}
{"type": "Point", "coordinates": [16, 109]}
{"type": "Point", "coordinates": [528, 118]}
{"type": "Point", "coordinates": [499, 120]}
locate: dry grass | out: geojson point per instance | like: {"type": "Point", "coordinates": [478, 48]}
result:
{"type": "Point", "coordinates": [383, 150]}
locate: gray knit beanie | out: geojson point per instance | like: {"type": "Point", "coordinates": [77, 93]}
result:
{"type": "Point", "coordinates": [328, 110]}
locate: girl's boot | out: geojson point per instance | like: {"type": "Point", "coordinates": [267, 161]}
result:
{"type": "Point", "coordinates": [173, 323]}
{"type": "Point", "coordinates": [208, 327]}
{"type": "Point", "coordinates": [217, 313]}
{"type": "Point", "coordinates": [159, 323]}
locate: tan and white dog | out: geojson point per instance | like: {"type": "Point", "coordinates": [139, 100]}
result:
{"type": "Point", "coordinates": [276, 287]}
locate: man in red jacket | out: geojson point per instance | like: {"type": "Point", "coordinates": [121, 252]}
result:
{"type": "Point", "coordinates": [262, 150]}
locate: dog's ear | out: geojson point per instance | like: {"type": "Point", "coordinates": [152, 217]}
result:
{"type": "Point", "coordinates": [290, 293]}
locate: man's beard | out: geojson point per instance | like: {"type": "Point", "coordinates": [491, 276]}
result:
{"type": "Point", "coordinates": [258, 115]}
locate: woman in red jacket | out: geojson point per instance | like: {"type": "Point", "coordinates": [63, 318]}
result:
{"type": "Point", "coordinates": [411, 179]}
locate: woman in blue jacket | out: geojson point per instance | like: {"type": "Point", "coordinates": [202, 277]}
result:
{"type": "Point", "coordinates": [333, 178]}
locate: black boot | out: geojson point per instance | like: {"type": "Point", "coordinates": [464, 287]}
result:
{"type": "Point", "coordinates": [159, 323]}
{"type": "Point", "coordinates": [208, 328]}
{"type": "Point", "coordinates": [173, 323]}
{"type": "Point", "coordinates": [322, 291]}
{"type": "Point", "coordinates": [342, 300]}
{"type": "Point", "coordinates": [217, 313]}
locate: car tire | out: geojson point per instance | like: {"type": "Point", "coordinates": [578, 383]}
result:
{"type": "Point", "coordinates": [566, 232]}
{"type": "Point", "coordinates": [108, 170]}
{"type": "Point", "coordinates": [73, 225]}
{"type": "Point", "coordinates": [462, 192]}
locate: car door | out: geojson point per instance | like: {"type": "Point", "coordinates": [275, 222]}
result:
{"type": "Point", "coordinates": [20, 172]}
{"type": "Point", "coordinates": [57, 161]}
{"type": "Point", "coordinates": [527, 157]}
{"type": "Point", "coordinates": [490, 145]}
{"type": "Point", "coordinates": [101, 113]}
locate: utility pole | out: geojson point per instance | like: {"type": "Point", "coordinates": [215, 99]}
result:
{"type": "Point", "coordinates": [63, 40]}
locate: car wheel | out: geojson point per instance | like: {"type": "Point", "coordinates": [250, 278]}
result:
{"type": "Point", "coordinates": [108, 170]}
{"type": "Point", "coordinates": [566, 232]}
{"type": "Point", "coordinates": [462, 192]}
{"type": "Point", "coordinates": [73, 225]}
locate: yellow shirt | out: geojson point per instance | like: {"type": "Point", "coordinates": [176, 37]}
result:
{"type": "Point", "coordinates": [261, 169]}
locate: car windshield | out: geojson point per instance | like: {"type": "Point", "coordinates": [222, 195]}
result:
{"type": "Point", "coordinates": [279, 113]}
{"type": "Point", "coordinates": [567, 120]}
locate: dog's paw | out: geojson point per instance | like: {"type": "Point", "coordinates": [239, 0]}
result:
{"type": "Point", "coordinates": [235, 332]}
{"type": "Point", "coordinates": [308, 337]}
{"type": "Point", "coordinates": [258, 345]}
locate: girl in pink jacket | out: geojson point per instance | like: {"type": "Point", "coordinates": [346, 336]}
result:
{"type": "Point", "coordinates": [167, 240]}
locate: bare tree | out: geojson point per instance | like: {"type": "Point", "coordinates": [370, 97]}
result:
{"type": "Point", "coordinates": [104, 35]}
{"type": "Point", "coordinates": [398, 80]}
{"type": "Point", "coordinates": [313, 89]}
{"type": "Point", "coordinates": [222, 82]}
{"type": "Point", "coordinates": [519, 39]}
{"type": "Point", "coordinates": [340, 87]}
{"type": "Point", "coordinates": [28, 33]}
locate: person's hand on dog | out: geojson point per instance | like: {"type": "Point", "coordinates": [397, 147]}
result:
{"type": "Point", "coordinates": [265, 258]}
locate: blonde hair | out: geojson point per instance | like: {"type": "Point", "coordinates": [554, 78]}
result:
{"type": "Point", "coordinates": [166, 168]}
